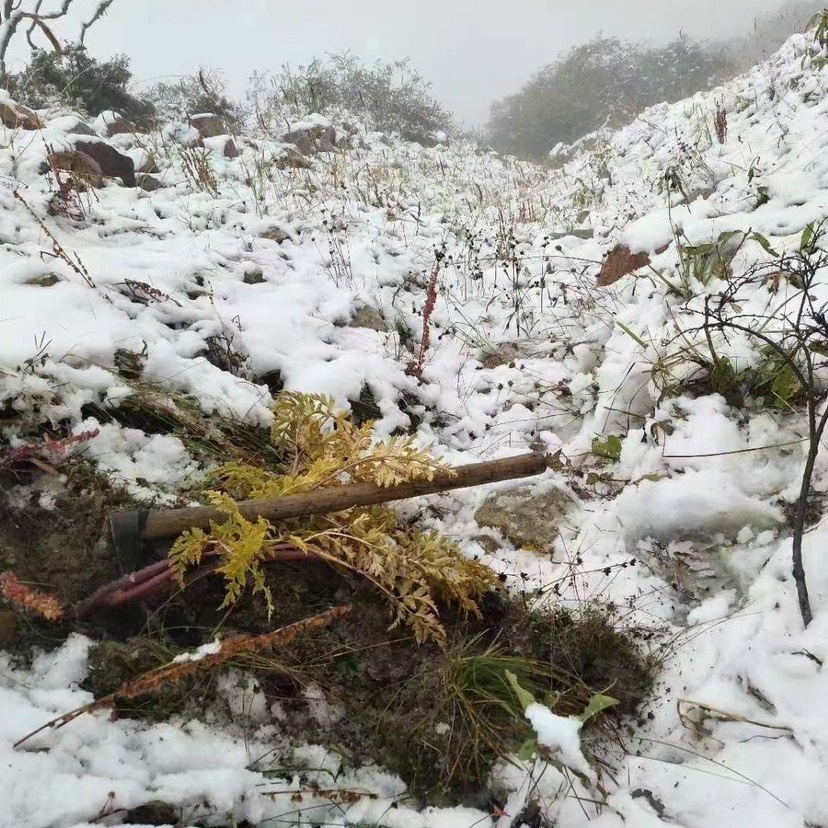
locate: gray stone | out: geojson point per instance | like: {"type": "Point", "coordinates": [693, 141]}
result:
{"type": "Point", "coordinates": [15, 115]}
{"type": "Point", "coordinates": [367, 317]}
{"type": "Point", "coordinates": [71, 125]}
{"type": "Point", "coordinates": [312, 140]}
{"type": "Point", "coordinates": [254, 277]}
{"type": "Point", "coordinates": [208, 124]}
{"type": "Point", "coordinates": [291, 159]}
{"type": "Point", "coordinates": [274, 234]}
{"type": "Point", "coordinates": [230, 149]}
{"type": "Point", "coordinates": [111, 161]}
{"type": "Point", "coordinates": [525, 518]}
{"type": "Point", "coordinates": [149, 183]}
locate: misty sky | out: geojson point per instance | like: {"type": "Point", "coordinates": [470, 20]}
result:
{"type": "Point", "coordinates": [474, 51]}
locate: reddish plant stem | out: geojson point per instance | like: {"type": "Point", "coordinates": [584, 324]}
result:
{"type": "Point", "coordinates": [416, 368]}
{"type": "Point", "coordinates": [149, 581]}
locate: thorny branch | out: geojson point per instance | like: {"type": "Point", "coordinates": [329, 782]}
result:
{"type": "Point", "coordinates": [800, 338]}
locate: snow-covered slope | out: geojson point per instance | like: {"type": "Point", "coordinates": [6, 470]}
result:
{"type": "Point", "coordinates": [526, 350]}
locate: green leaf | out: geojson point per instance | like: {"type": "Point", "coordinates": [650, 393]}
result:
{"type": "Point", "coordinates": [654, 478]}
{"type": "Point", "coordinates": [528, 749]}
{"type": "Point", "coordinates": [637, 339]}
{"type": "Point", "coordinates": [594, 477]}
{"type": "Point", "coordinates": [785, 385]}
{"type": "Point", "coordinates": [610, 448]}
{"type": "Point", "coordinates": [596, 704]}
{"type": "Point", "coordinates": [523, 696]}
{"type": "Point", "coordinates": [765, 244]}
{"type": "Point", "coordinates": [807, 239]}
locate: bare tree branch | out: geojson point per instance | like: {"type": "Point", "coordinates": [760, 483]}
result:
{"type": "Point", "coordinates": [99, 13]}
{"type": "Point", "coordinates": [13, 15]}
{"type": "Point", "coordinates": [30, 30]}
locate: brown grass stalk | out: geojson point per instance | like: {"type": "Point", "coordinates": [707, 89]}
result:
{"type": "Point", "coordinates": [230, 648]}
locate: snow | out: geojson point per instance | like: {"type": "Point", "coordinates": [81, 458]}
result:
{"type": "Point", "coordinates": [699, 485]}
{"type": "Point", "coordinates": [561, 734]}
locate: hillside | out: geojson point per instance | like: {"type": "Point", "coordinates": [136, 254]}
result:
{"type": "Point", "coordinates": [637, 314]}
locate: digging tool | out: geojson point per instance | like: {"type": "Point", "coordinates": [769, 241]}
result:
{"type": "Point", "coordinates": [132, 530]}
{"type": "Point", "coordinates": [129, 526]}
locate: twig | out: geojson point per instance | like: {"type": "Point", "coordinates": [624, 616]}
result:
{"type": "Point", "coordinates": [230, 647]}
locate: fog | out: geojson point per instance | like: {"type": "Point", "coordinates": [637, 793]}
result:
{"type": "Point", "coordinates": [474, 51]}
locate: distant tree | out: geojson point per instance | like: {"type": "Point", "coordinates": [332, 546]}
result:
{"type": "Point", "coordinates": [769, 31]}
{"type": "Point", "coordinates": [77, 79]}
{"type": "Point", "coordinates": [603, 81]}
{"type": "Point", "coordinates": [389, 95]}
{"type": "Point", "coordinates": [36, 17]}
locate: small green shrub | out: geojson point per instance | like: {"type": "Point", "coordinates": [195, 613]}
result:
{"type": "Point", "coordinates": [389, 95]}
{"type": "Point", "coordinates": [81, 81]}
{"type": "Point", "coordinates": [193, 94]}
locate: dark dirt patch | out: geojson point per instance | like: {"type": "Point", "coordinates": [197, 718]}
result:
{"type": "Point", "coordinates": [422, 712]}
{"type": "Point", "coordinates": [365, 409]}
{"type": "Point", "coordinates": [61, 549]}
{"type": "Point", "coordinates": [399, 703]}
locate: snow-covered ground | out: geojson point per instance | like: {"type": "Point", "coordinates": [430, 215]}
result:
{"type": "Point", "coordinates": [735, 733]}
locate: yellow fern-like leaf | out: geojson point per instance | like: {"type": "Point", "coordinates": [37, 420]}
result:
{"type": "Point", "coordinates": [415, 571]}
{"type": "Point", "coordinates": [187, 551]}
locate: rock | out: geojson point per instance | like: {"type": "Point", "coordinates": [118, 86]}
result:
{"type": "Point", "coordinates": [71, 125]}
{"type": "Point", "coordinates": [16, 116]}
{"type": "Point", "coordinates": [577, 232]}
{"type": "Point", "coordinates": [275, 234]}
{"type": "Point", "coordinates": [489, 544]}
{"type": "Point", "coordinates": [143, 160]}
{"type": "Point", "coordinates": [208, 124]}
{"type": "Point", "coordinates": [183, 134]}
{"type": "Point", "coordinates": [291, 159]}
{"type": "Point", "coordinates": [230, 149]}
{"type": "Point", "coordinates": [46, 280]}
{"type": "Point", "coordinates": [312, 139]}
{"type": "Point", "coordinates": [80, 164]}
{"type": "Point", "coordinates": [148, 183]}
{"type": "Point", "coordinates": [525, 518]}
{"type": "Point", "coordinates": [254, 277]}
{"type": "Point", "coordinates": [619, 262]}
{"type": "Point", "coordinates": [111, 123]}
{"type": "Point", "coordinates": [112, 162]}
{"type": "Point", "coordinates": [500, 354]}
{"type": "Point", "coordinates": [223, 145]}
{"type": "Point", "coordinates": [367, 317]}
{"type": "Point", "coordinates": [155, 812]}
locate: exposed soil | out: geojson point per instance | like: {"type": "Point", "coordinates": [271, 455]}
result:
{"type": "Point", "coordinates": [386, 699]}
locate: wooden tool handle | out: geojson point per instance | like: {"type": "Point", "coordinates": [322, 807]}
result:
{"type": "Point", "coordinates": [167, 523]}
